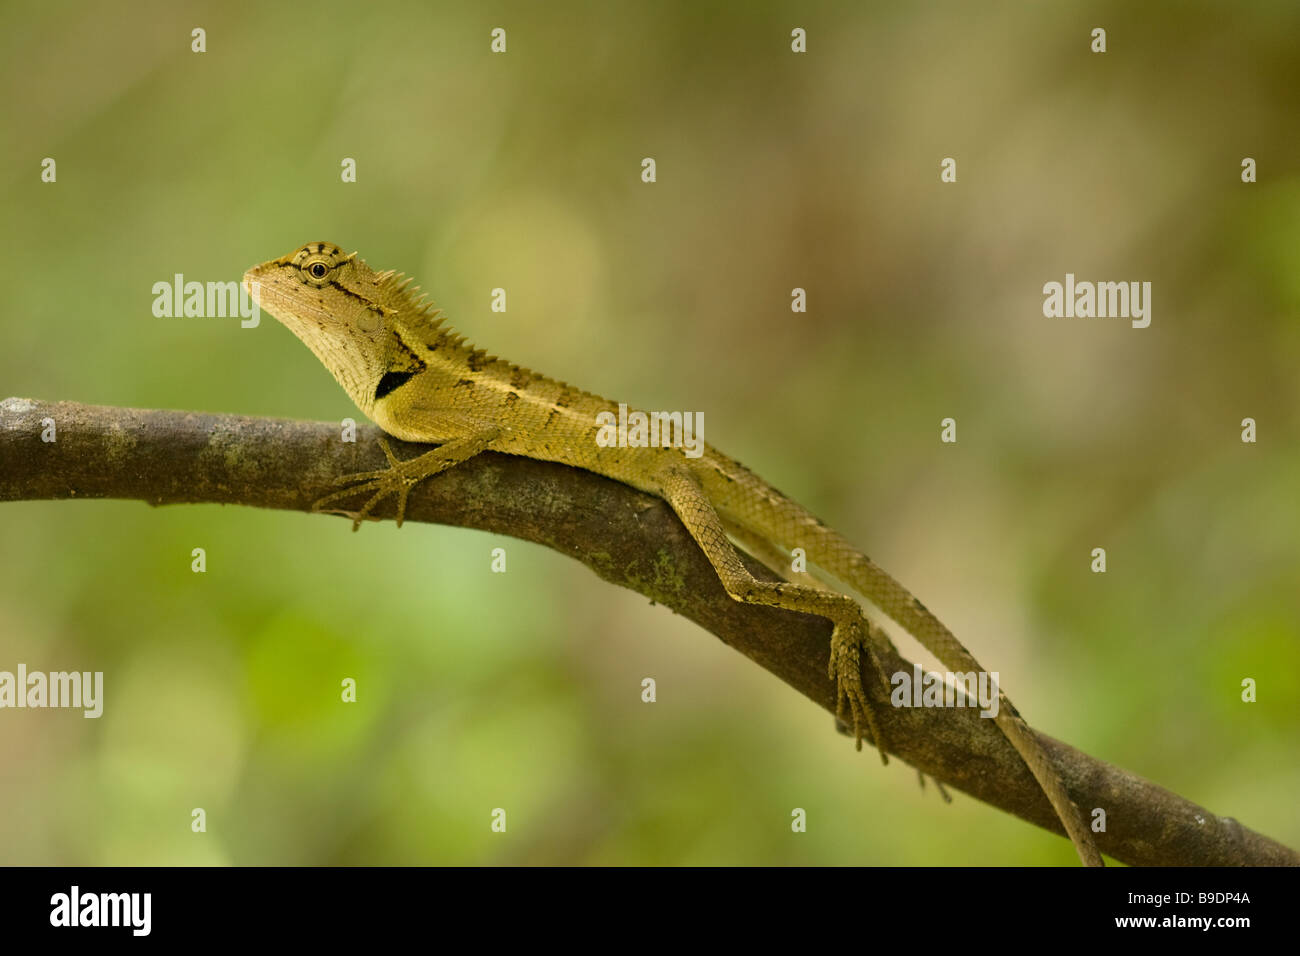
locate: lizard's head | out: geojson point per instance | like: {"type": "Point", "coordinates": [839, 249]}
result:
{"type": "Point", "coordinates": [341, 308]}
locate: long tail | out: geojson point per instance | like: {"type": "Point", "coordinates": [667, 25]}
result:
{"type": "Point", "coordinates": [746, 501]}
{"type": "Point", "coordinates": [851, 566]}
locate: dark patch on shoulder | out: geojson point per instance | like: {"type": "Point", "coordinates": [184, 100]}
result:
{"type": "Point", "coordinates": [465, 383]}
{"type": "Point", "coordinates": [566, 397]}
{"type": "Point", "coordinates": [390, 382]}
{"type": "Point", "coordinates": [511, 398]}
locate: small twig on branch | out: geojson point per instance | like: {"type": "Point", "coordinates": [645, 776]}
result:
{"type": "Point", "coordinates": [628, 538]}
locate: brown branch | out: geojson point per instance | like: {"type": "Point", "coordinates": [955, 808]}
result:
{"type": "Point", "coordinates": [628, 538]}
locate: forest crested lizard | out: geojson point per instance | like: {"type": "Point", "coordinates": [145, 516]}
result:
{"type": "Point", "coordinates": [421, 382]}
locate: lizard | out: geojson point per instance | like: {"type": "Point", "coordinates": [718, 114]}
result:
{"type": "Point", "coordinates": [394, 354]}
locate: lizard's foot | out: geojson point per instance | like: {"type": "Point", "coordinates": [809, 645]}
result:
{"type": "Point", "coordinates": [397, 479]}
{"type": "Point", "coordinates": [947, 798]}
{"type": "Point", "coordinates": [848, 641]}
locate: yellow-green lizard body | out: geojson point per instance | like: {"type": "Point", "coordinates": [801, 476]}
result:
{"type": "Point", "coordinates": [421, 382]}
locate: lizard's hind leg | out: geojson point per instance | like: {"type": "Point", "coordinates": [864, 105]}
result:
{"type": "Point", "coordinates": [852, 633]}
{"type": "Point", "coordinates": [780, 563]}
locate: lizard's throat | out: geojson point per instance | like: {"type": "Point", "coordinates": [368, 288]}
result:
{"type": "Point", "coordinates": [346, 360]}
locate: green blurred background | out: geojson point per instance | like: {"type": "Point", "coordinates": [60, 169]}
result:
{"type": "Point", "coordinates": [775, 170]}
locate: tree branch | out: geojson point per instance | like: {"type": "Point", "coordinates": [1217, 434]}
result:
{"type": "Point", "coordinates": [628, 538]}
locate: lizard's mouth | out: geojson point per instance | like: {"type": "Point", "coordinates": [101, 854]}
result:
{"type": "Point", "coordinates": [257, 275]}
{"type": "Point", "coordinates": [251, 281]}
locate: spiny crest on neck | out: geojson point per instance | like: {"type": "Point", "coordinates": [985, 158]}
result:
{"type": "Point", "coordinates": [397, 293]}
{"type": "Point", "coordinates": [418, 316]}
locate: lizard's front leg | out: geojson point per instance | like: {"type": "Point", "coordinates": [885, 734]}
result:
{"type": "Point", "coordinates": [401, 476]}
{"type": "Point", "coordinates": [852, 634]}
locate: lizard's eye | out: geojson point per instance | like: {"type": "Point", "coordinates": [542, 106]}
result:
{"type": "Point", "coordinates": [318, 270]}
{"type": "Point", "coordinates": [318, 263]}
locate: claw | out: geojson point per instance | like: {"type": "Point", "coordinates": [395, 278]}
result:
{"type": "Point", "coordinates": [345, 493]}
{"type": "Point", "coordinates": [357, 476]}
{"type": "Point", "coordinates": [846, 670]}
{"type": "Point", "coordinates": [381, 484]}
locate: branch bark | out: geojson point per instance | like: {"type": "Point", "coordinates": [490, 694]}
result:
{"type": "Point", "coordinates": [629, 539]}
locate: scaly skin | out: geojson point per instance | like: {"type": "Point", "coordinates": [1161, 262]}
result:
{"type": "Point", "coordinates": [421, 382]}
